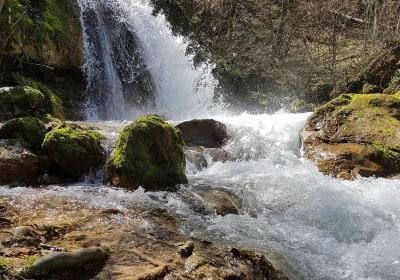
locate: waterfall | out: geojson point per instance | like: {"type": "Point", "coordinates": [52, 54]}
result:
{"type": "Point", "coordinates": [135, 65]}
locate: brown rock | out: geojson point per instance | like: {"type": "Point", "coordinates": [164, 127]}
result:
{"type": "Point", "coordinates": [208, 133]}
{"type": "Point", "coordinates": [355, 134]}
{"type": "Point", "coordinates": [220, 201]}
{"type": "Point", "coordinates": [18, 164]}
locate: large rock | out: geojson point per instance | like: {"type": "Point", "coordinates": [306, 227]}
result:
{"type": "Point", "coordinates": [18, 165]}
{"type": "Point", "coordinates": [208, 133]}
{"type": "Point", "coordinates": [31, 130]}
{"type": "Point", "coordinates": [355, 134]}
{"type": "Point", "coordinates": [83, 263]}
{"type": "Point", "coordinates": [72, 151]}
{"type": "Point", "coordinates": [148, 153]}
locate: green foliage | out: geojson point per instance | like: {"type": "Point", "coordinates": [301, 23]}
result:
{"type": "Point", "coordinates": [46, 16]}
{"type": "Point", "coordinates": [149, 153]}
{"type": "Point", "coordinates": [31, 130]}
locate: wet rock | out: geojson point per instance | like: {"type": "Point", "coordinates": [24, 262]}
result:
{"type": "Point", "coordinates": [26, 235]}
{"type": "Point", "coordinates": [72, 151]}
{"type": "Point", "coordinates": [195, 155]}
{"type": "Point", "coordinates": [220, 201]}
{"type": "Point", "coordinates": [198, 156]}
{"type": "Point", "coordinates": [148, 153]}
{"type": "Point", "coordinates": [64, 265]}
{"type": "Point", "coordinates": [18, 164]}
{"type": "Point", "coordinates": [31, 130]}
{"type": "Point", "coordinates": [208, 133]}
{"type": "Point", "coordinates": [355, 134]}
{"type": "Point", "coordinates": [186, 249]}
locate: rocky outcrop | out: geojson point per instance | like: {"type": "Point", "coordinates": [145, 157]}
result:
{"type": "Point", "coordinates": [72, 151]}
{"type": "Point", "coordinates": [18, 164]}
{"type": "Point", "coordinates": [148, 153]}
{"type": "Point", "coordinates": [355, 134]}
{"type": "Point", "coordinates": [208, 133]}
{"type": "Point", "coordinates": [43, 41]}
{"type": "Point", "coordinates": [46, 33]}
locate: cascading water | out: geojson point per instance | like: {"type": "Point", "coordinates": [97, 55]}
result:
{"type": "Point", "coordinates": [148, 72]}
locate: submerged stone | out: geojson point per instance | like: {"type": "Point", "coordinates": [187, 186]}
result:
{"type": "Point", "coordinates": [73, 152]}
{"type": "Point", "coordinates": [355, 134]}
{"type": "Point", "coordinates": [148, 153]}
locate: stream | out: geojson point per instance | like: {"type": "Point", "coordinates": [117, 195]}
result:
{"type": "Point", "coordinates": [310, 225]}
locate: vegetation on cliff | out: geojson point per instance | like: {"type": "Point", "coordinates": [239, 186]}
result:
{"type": "Point", "coordinates": [272, 52]}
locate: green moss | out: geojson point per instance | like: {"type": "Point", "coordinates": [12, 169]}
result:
{"type": "Point", "coordinates": [15, 268]}
{"type": "Point", "coordinates": [18, 101]}
{"type": "Point", "coordinates": [149, 153]}
{"type": "Point", "coordinates": [72, 151]}
{"type": "Point", "coordinates": [40, 16]}
{"type": "Point", "coordinates": [390, 154]}
{"type": "Point", "coordinates": [52, 103]}
{"type": "Point", "coordinates": [32, 130]}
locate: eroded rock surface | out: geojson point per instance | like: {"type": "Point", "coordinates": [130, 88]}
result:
{"type": "Point", "coordinates": [355, 134]}
{"type": "Point", "coordinates": [147, 245]}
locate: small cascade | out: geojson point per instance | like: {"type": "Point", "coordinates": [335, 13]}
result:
{"type": "Point", "coordinates": [135, 65]}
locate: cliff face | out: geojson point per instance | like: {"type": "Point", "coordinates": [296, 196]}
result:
{"type": "Point", "coordinates": [42, 40]}
{"type": "Point", "coordinates": [46, 32]}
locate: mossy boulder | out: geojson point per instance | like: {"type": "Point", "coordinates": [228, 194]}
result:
{"type": "Point", "coordinates": [51, 103]}
{"type": "Point", "coordinates": [72, 151]}
{"type": "Point", "coordinates": [33, 100]}
{"type": "Point", "coordinates": [19, 101]}
{"type": "Point", "coordinates": [355, 134]}
{"type": "Point", "coordinates": [31, 130]}
{"type": "Point", "coordinates": [148, 153]}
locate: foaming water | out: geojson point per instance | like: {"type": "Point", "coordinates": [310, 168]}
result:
{"type": "Point", "coordinates": [121, 79]}
{"type": "Point", "coordinates": [313, 226]}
